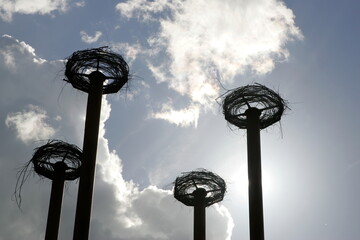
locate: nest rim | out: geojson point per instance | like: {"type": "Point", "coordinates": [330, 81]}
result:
{"type": "Point", "coordinates": [113, 67]}
{"type": "Point", "coordinates": [238, 101]}
{"type": "Point", "coordinates": [186, 185]}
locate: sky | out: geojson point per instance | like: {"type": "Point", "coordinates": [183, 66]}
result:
{"type": "Point", "coordinates": [183, 55]}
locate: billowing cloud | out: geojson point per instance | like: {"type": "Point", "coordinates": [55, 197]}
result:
{"type": "Point", "coordinates": [90, 39]}
{"type": "Point", "coordinates": [10, 7]}
{"type": "Point", "coordinates": [121, 210]}
{"type": "Point", "coordinates": [207, 42]}
{"type": "Point", "coordinates": [7, 52]}
{"type": "Point", "coordinates": [30, 124]}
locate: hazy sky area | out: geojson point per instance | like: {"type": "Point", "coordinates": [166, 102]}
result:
{"type": "Point", "coordinates": [183, 55]}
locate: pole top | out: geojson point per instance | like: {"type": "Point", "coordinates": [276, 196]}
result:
{"type": "Point", "coordinates": [60, 167]}
{"type": "Point", "coordinates": [200, 193]}
{"type": "Point", "coordinates": [97, 76]}
{"type": "Point", "coordinates": [252, 111]}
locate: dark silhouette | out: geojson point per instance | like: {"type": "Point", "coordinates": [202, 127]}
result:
{"type": "Point", "coordinates": [58, 161]}
{"type": "Point", "coordinates": [95, 71]}
{"type": "Point", "coordinates": [254, 107]}
{"type": "Point", "coordinates": [111, 66]}
{"type": "Point", "coordinates": [199, 189]}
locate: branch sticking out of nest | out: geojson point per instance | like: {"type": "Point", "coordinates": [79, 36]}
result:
{"type": "Point", "coordinates": [270, 104]}
{"type": "Point", "coordinates": [188, 182]}
{"type": "Point", "coordinates": [82, 63]}
{"type": "Point", "coordinates": [47, 160]}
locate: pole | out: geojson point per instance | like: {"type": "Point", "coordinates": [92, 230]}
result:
{"type": "Point", "coordinates": [54, 213]}
{"type": "Point", "coordinates": [87, 172]}
{"type": "Point", "coordinates": [254, 172]}
{"type": "Point", "coordinates": [199, 214]}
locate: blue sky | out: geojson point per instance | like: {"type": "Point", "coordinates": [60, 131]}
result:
{"type": "Point", "coordinates": [168, 120]}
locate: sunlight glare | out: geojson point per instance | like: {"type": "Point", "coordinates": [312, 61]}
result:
{"type": "Point", "coordinates": [241, 182]}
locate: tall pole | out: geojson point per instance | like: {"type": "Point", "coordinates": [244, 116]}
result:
{"type": "Point", "coordinates": [199, 214]}
{"type": "Point", "coordinates": [54, 213]}
{"type": "Point", "coordinates": [254, 174]}
{"type": "Point", "coordinates": [254, 107]}
{"type": "Point", "coordinates": [109, 66]}
{"type": "Point", "coordinates": [87, 173]}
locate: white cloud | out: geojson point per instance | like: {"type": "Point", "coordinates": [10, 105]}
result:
{"type": "Point", "coordinates": [30, 124]}
{"type": "Point", "coordinates": [184, 117]}
{"type": "Point", "coordinates": [90, 39]}
{"type": "Point", "coordinates": [10, 7]}
{"type": "Point", "coordinates": [144, 8]}
{"type": "Point", "coordinates": [17, 46]}
{"type": "Point", "coordinates": [221, 213]}
{"type": "Point", "coordinates": [129, 51]}
{"type": "Point", "coordinates": [208, 41]}
{"type": "Point", "coordinates": [80, 4]}
{"type": "Point", "coordinates": [8, 59]}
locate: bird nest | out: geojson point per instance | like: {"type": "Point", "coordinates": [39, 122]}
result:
{"type": "Point", "coordinates": [112, 66]}
{"type": "Point", "coordinates": [46, 160]}
{"type": "Point", "coordinates": [189, 182]}
{"type": "Point", "coordinates": [238, 101]}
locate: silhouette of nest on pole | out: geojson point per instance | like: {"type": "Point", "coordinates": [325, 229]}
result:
{"type": "Point", "coordinates": [47, 160]}
{"type": "Point", "coordinates": [82, 63]}
{"type": "Point", "coordinates": [237, 101]}
{"type": "Point", "coordinates": [188, 182]}
{"type": "Point", "coordinates": [54, 151]}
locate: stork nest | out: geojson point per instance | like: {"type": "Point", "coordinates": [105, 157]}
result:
{"type": "Point", "coordinates": [82, 63]}
{"type": "Point", "coordinates": [188, 182]}
{"type": "Point", "coordinates": [47, 161]}
{"type": "Point", "coordinates": [47, 157]}
{"type": "Point", "coordinates": [270, 104]}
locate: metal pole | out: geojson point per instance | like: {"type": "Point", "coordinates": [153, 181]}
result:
{"type": "Point", "coordinates": [54, 213]}
{"type": "Point", "coordinates": [199, 214]}
{"type": "Point", "coordinates": [254, 172]}
{"type": "Point", "coordinates": [87, 172]}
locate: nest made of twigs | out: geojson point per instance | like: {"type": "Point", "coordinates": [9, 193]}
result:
{"type": "Point", "coordinates": [188, 182]}
{"type": "Point", "coordinates": [46, 157]}
{"type": "Point", "coordinates": [112, 65]}
{"type": "Point", "coordinates": [47, 161]}
{"type": "Point", "coordinates": [237, 101]}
